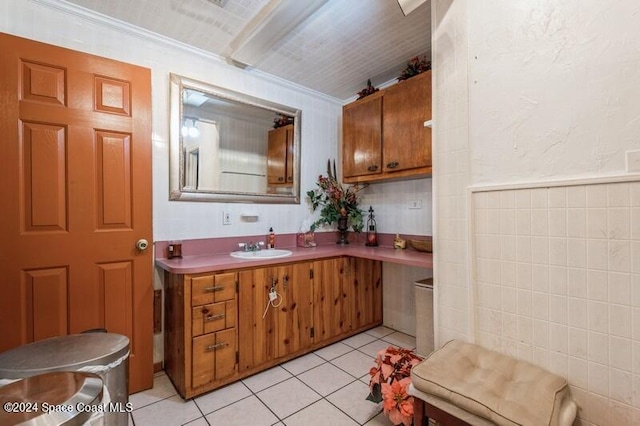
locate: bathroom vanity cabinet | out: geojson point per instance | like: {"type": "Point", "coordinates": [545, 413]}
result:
{"type": "Point", "coordinates": [384, 136]}
{"type": "Point", "coordinates": [221, 326]}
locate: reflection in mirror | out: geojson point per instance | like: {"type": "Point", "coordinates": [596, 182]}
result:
{"type": "Point", "coordinates": [227, 146]}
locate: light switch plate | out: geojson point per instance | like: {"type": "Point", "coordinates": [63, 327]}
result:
{"type": "Point", "coordinates": [226, 218]}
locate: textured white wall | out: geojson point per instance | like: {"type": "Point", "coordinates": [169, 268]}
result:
{"type": "Point", "coordinates": [550, 94]}
{"type": "Point", "coordinates": [553, 88]}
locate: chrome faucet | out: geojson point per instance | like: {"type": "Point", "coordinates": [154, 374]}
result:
{"type": "Point", "coordinates": [251, 246]}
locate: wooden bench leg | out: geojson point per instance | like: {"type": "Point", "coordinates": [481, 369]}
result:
{"type": "Point", "coordinates": [423, 411]}
{"type": "Point", "coordinates": [418, 413]}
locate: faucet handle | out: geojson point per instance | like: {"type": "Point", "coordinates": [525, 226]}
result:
{"type": "Point", "coordinates": [261, 243]}
{"type": "Point", "coordinates": [242, 246]}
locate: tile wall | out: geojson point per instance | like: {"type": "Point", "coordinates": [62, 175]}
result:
{"type": "Point", "coordinates": [451, 172]}
{"type": "Point", "coordinates": [558, 284]}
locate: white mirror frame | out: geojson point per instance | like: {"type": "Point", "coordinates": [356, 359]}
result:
{"type": "Point", "coordinates": [177, 190]}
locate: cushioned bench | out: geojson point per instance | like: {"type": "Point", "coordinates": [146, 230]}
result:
{"type": "Point", "coordinates": [466, 384]}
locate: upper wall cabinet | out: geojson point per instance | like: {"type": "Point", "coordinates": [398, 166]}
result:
{"type": "Point", "coordinates": [280, 157]}
{"type": "Point", "coordinates": [383, 135]}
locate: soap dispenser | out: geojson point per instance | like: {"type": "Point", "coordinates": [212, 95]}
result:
{"type": "Point", "coordinates": [271, 239]}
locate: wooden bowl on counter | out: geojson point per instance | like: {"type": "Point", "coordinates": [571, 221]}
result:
{"type": "Point", "coordinates": [421, 245]}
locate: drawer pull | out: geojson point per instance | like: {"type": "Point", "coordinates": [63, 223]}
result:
{"type": "Point", "coordinates": [372, 168]}
{"type": "Point", "coordinates": [393, 165]}
{"type": "Point", "coordinates": [216, 346]}
{"type": "Point", "coordinates": [214, 288]}
{"type": "Point", "coordinates": [214, 317]}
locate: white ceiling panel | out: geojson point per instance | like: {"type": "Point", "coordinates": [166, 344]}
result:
{"type": "Point", "coordinates": [334, 51]}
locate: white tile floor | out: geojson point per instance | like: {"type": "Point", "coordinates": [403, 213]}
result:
{"type": "Point", "coordinates": [326, 387]}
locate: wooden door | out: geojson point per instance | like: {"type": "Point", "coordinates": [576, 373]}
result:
{"type": "Point", "coordinates": [330, 312]}
{"type": "Point", "coordinates": [76, 172]}
{"type": "Point", "coordinates": [406, 141]}
{"type": "Point", "coordinates": [362, 137]}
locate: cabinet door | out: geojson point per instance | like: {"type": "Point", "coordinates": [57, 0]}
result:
{"type": "Point", "coordinates": [277, 156]}
{"type": "Point", "coordinates": [289, 166]}
{"type": "Point", "coordinates": [406, 142]}
{"type": "Point", "coordinates": [362, 137]}
{"type": "Point", "coordinates": [214, 357]}
{"type": "Point", "coordinates": [266, 331]}
{"type": "Point", "coordinates": [363, 289]}
{"type": "Point", "coordinates": [330, 312]}
{"type": "Point", "coordinates": [295, 316]}
{"type": "Point", "coordinates": [257, 324]}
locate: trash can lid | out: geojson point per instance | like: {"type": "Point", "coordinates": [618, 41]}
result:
{"type": "Point", "coordinates": [63, 353]}
{"type": "Point", "coordinates": [62, 398]}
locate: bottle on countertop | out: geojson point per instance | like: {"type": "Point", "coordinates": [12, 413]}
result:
{"type": "Point", "coordinates": [271, 239]}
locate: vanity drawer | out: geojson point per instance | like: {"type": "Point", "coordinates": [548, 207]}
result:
{"type": "Point", "coordinates": [206, 289]}
{"type": "Point", "coordinates": [213, 317]}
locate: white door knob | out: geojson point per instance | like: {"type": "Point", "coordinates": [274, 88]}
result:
{"type": "Point", "coordinates": [142, 244]}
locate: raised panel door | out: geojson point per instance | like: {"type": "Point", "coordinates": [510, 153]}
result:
{"type": "Point", "coordinates": [76, 163]}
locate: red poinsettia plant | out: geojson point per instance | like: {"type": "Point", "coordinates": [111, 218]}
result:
{"type": "Point", "coordinates": [390, 379]}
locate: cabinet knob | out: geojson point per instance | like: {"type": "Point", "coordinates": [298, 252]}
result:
{"type": "Point", "coordinates": [392, 165]}
{"type": "Point", "coordinates": [372, 168]}
{"type": "Point", "coordinates": [280, 179]}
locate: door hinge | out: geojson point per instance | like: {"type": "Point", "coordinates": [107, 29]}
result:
{"type": "Point", "coordinates": [312, 332]}
{"type": "Point", "coordinates": [237, 286]}
{"type": "Point", "coordinates": [311, 274]}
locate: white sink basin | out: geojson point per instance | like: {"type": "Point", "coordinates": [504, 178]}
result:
{"type": "Point", "coordinates": [261, 254]}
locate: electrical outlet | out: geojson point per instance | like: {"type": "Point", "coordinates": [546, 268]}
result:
{"type": "Point", "coordinates": [226, 218]}
{"type": "Point", "coordinates": [415, 204]}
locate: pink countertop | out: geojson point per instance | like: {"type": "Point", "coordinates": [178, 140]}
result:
{"type": "Point", "coordinates": [222, 261]}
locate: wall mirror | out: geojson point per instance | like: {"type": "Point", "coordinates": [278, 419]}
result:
{"type": "Point", "coordinates": [226, 146]}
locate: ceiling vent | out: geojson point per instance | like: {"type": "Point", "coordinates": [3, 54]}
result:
{"type": "Point", "coordinates": [220, 3]}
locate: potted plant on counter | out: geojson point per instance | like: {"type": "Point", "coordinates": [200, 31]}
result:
{"type": "Point", "coordinates": [337, 204]}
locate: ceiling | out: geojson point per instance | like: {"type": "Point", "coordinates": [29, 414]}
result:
{"type": "Point", "coordinates": [334, 51]}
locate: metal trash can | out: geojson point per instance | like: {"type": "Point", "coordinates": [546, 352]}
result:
{"type": "Point", "coordinates": [60, 398]}
{"type": "Point", "coordinates": [104, 354]}
{"type": "Point", "coordinates": [424, 316]}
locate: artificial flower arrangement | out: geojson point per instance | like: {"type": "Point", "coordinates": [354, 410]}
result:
{"type": "Point", "coordinates": [415, 66]}
{"type": "Point", "coordinates": [390, 379]}
{"type": "Point", "coordinates": [335, 201]}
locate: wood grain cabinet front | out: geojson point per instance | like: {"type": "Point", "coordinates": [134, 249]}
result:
{"type": "Point", "coordinates": [201, 331]}
{"type": "Point", "coordinates": [280, 156]}
{"type": "Point", "coordinates": [221, 327]}
{"type": "Point", "coordinates": [383, 134]}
